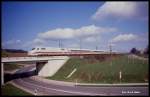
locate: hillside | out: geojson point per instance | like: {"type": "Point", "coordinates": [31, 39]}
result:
{"type": "Point", "coordinates": [13, 53]}
{"type": "Point", "coordinates": [91, 70]}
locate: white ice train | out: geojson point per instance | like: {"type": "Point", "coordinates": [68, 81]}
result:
{"type": "Point", "coordinates": [43, 51]}
{"type": "Point", "coordinates": [55, 51]}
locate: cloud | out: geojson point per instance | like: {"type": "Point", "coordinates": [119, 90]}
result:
{"type": "Point", "coordinates": [67, 33]}
{"type": "Point", "coordinates": [90, 39]}
{"type": "Point", "coordinates": [57, 33]}
{"type": "Point", "coordinates": [124, 37]}
{"type": "Point", "coordinates": [86, 33]}
{"type": "Point", "coordinates": [122, 10]}
{"type": "Point", "coordinates": [36, 42]}
{"type": "Point", "coordinates": [11, 43]}
{"type": "Point", "coordinates": [74, 45]}
{"type": "Point", "coordinates": [18, 41]}
{"type": "Point", "coordinates": [111, 44]}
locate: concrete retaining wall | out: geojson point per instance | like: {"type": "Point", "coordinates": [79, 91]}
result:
{"type": "Point", "coordinates": [52, 66]}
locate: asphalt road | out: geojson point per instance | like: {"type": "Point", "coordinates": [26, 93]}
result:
{"type": "Point", "coordinates": [41, 88]}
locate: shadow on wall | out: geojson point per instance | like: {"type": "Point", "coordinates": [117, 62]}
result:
{"type": "Point", "coordinates": [9, 77]}
{"type": "Point", "coordinates": [39, 66]}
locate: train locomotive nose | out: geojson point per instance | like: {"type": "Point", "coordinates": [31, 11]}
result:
{"type": "Point", "coordinates": [30, 53]}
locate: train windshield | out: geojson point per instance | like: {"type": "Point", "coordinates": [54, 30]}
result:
{"type": "Point", "coordinates": [33, 48]}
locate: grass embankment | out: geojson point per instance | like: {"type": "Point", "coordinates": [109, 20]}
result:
{"type": "Point", "coordinates": [10, 90]}
{"type": "Point", "coordinates": [90, 70]}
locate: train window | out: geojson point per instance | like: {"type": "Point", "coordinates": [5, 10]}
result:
{"type": "Point", "coordinates": [37, 48]}
{"type": "Point", "coordinates": [42, 48]}
{"type": "Point", "coordinates": [33, 48]}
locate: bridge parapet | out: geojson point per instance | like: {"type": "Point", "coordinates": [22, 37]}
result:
{"type": "Point", "coordinates": [17, 59]}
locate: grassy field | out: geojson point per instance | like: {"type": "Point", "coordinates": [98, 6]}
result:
{"type": "Point", "coordinates": [107, 71]}
{"type": "Point", "coordinates": [10, 90]}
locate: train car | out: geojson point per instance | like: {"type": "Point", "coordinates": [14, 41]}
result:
{"type": "Point", "coordinates": [47, 51]}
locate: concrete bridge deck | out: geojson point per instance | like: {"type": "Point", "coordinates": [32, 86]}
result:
{"type": "Point", "coordinates": [23, 59]}
{"type": "Point", "coordinates": [45, 66]}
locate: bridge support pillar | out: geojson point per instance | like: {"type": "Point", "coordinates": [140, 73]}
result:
{"type": "Point", "coordinates": [2, 73]}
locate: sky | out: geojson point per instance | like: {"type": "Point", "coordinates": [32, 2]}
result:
{"type": "Point", "coordinates": [85, 25]}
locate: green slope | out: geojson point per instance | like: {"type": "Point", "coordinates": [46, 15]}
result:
{"type": "Point", "coordinates": [107, 71]}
